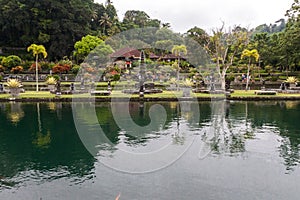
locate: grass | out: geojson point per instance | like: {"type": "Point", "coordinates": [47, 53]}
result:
{"type": "Point", "coordinates": [165, 94]}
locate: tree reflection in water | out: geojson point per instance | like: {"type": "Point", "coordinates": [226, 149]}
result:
{"type": "Point", "coordinates": [44, 139]}
{"type": "Point", "coordinates": [234, 124]}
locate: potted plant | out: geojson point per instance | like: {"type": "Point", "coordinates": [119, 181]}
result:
{"type": "Point", "coordinates": [14, 87]}
{"type": "Point", "coordinates": [51, 82]}
{"type": "Point", "coordinates": [188, 83]}
{"type": "Point", "coordinates": [292, 81]}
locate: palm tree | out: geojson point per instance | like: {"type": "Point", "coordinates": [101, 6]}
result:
{"type": "Point", "coordinates": [179, 50]}
{"type": "Point", "coordinates": [250, 54]}
{"type": "Point", "coordinates": [166, 25]}
{"type": "Point", "coordinates": [36, 50]}
{"type": "Point", "coordinates": [105, 21]}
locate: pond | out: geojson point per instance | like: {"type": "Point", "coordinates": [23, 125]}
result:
{"type": "Point", "coordinates": [156, 150]}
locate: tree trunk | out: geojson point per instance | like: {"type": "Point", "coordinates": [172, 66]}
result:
{"type": "Point", "coordinates": [223, 78]}
{"type": "Point", "coordinates": [36, 73]}
{"type": "Point", "coordinates": [247, 78]}
{"type": "Point", "coordinates": [177, 74]}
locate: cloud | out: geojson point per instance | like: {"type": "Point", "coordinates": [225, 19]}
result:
{"type": "Point", "coordinates": [185, 14]}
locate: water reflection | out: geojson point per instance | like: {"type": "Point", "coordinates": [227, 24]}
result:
{"type": "Point", "coordinates": [40, 146]}
{"type": "Point", "coordinates": [14, 112]}
{"type": "Point", "coordinates": [39, 142]}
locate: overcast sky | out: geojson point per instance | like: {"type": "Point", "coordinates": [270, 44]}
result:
{"type": "Point", "coordinates": [207, 14]}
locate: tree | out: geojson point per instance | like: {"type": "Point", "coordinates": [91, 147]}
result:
{"type": "Point", "coordinates": [199, 35]}
{"type": "Point", "coordinates": [105, 22]}
{"type": "Point", "coordinates": [163, 46]}
{"type": "Point", "coordinates": [250, 54]}
{"type": "Point", "coordinates": [85, 46]}
{"type": "Point", "coordinates": [140, 18]}
{"type": "Point", "coordinates": [223, 47]}
{"type": "Point", "coordinates": [291, 36]}
{"type": "Point", "coordinates": [36, 50]}
{"type": "Point", "coordinates": [57, 28]}
{"type": "Point", "coordinates": [92, 46]}
{"type": "Point", "coordinates": [179, 50]}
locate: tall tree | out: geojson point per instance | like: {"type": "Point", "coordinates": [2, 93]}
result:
{"type": "Point", "coordinates": [224, 46]}
{"type": "Point", "coordinates": [36, 50]}
{"type": "Point", "coordinates": [291, 35]}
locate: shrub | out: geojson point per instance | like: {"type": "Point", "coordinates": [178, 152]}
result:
{"type": "Point", "coordinates": [16, 70]}
{"type": "Point", "coordinates": [116, 77]}
{"type": "Point", "coordinates": [230, 77]}
{"type": "Point", "coordinates": [268, 68]}
{"type": "Point", "coordinates": [60, 68]}
{"type": "Point", "coordinates": [57, 78]}
{"type": "Point", "coordinates": [274, 78]}
{"type": "Point", "coordinates": [11, 61]}
{"type": "Point", "coordinates": [32, 67]}
{"type": "Point", "coordinates": [75, 69]}
{"type": "Point", "coordinates": [46, 65]}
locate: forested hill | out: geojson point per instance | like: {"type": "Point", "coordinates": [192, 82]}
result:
{"type": "Point", "coordinates": [58, 24]}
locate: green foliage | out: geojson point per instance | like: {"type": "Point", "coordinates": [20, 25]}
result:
{"type": "Point", "coordinates": [179, 50]}
{"type": "Point", "coordinates": [47, 65]}
{"type": "Point", "coordinates": [274, 78]}
{"type": "Point", "coordinates": [56, 27]}
{"type": "Point", "coordinates": [199, 35]}
{"type": "Point", "coordinates": [86, 44]}
{"type": "Point", "coordinates": [56, 77]}
{"type": "Point", "coordinates": [116, 77]}
{"type": "Point", "coordinates": [92, 46]}
{"type": "Point", "coordinates": [164, 46]}
{"type": "Point", "coordinates": [268, 68]}
{"type": "Point", "coordinates": [11, 61]}
{"type": "Point", "coordinates": [75, 69]}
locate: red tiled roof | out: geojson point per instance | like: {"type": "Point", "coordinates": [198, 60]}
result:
{"type": "Point", "coordinates": [153, 56]}
{"type": "Point", "coordinates": [126, 53]}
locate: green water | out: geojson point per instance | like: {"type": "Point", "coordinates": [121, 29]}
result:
{"type": "Point", "coordinates": [252, 151]}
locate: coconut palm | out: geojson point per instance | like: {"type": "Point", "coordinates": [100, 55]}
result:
{"type": "Point", "coordinates": [36, 50]}
{"type": "Point", "coordinates": [250, 54]}
{"type": "Point", "coordinates": [105, 21]}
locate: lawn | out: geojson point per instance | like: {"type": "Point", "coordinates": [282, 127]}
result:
{"type": "Point", "coordinates": [165, 94]}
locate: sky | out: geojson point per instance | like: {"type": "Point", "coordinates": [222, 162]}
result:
{"type": "Point", "coordinates": [207, 14]}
